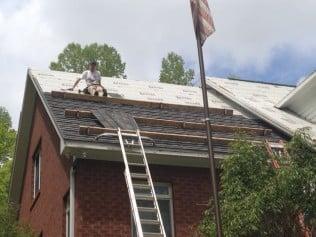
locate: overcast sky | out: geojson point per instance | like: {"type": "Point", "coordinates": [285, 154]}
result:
{"type": "Point", "coordinates": [270, 40]}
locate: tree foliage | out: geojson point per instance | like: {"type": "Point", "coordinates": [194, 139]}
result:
{"type": "Point", "coordinates": [76, 58]}
{"type": "Point", "coordinates": [7, 135]}
{"type": "Point", "coordinates": [173, 70]}
{"type": "Point", "coordinates": [8, 224]}
{"type": "Point", "coordinates": [257, 200]}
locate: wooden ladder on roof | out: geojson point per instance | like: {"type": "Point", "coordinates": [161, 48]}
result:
{"type": "Point", "coordinates": [144, 204]}
{"type": "Point", "coordinates": [275, 150]}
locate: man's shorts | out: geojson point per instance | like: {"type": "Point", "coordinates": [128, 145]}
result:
{"type": "Point", "coordinates": [94, 89]}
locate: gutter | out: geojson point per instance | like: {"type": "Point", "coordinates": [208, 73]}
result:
{"type": "Point", "coordinates": [110, 152]}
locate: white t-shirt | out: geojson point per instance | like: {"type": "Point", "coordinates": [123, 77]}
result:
{"type": "Point", "coordinates": [91, 78]}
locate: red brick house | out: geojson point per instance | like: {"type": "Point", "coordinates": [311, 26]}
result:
{"type": "Point", "coordinates": [67, 183]}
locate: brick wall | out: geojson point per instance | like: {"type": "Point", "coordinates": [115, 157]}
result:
{"type": "Point", "coordinates": [46, 214]}
{"type": "Point", "coordinates": [102, 205]}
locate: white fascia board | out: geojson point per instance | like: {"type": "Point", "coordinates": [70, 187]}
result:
{"type": "Point", "coordinates": [286, 101]}
{"type": "Point", "coordinates": [22, 142]}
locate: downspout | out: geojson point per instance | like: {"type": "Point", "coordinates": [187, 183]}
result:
{"type": "Point", "coordinates": [72, 196]}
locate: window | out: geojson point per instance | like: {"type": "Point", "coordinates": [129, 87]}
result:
{"type": "Point", "coordinates": [164, 197]}
{"type": "Point", "coordinates": [37, 173]}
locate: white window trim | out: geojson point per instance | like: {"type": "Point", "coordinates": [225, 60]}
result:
{"type": "Point", "coordinates": [170, 198]}
{"type": "Point", "coordinates": [38, 156]}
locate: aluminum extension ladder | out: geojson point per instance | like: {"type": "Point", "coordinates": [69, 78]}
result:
{"type": "Point", "coordinates": [144, 204]}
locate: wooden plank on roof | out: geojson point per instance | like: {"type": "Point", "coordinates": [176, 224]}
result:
{"type": "Point", "coordinates": [193, 125]}
{"type": "Point", "coordinates": [157, 105]}
{"type": "Point", "coordinates": [180, 124]}
{"type": "Point", "coordinates": [75, 113]}
{"type": "Point", "coordinates": [88, 130]}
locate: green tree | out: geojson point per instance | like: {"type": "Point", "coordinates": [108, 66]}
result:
{"type": "Point", "coordinates": [76, 58]}
{"type": "Point", "coordinates": [9, 227]}
{"type": "Point", "coordinates": [257, 200]}
{"type": "Point", "coordinates": [5, 116]}
{"type": "Point", "coordinates": [173, 71]}
{"type": "Point", "coordinates": [7, 135]}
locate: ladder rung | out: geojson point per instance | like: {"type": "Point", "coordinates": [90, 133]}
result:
{"type": "Point", "coordinates": [137, 164]}
{"type": "Point", "coordinates": [141, 186]}
{"type": "Point", "coordinates": [276, 145]}
{"type": "Point", "coordinates": [150, 222]}
{"type": "Point", "coordinates": [134, 153]}
{"type": "Point", "coordinates": [147, 209]}
{"type": "Point", "coordinates": [132, 145]}
{"type": "Point", "coordinates": [139, 176]}
{"type": "Point", "coordinates": [129, 134]}
{"type": "Point", "coordinates": [147, 234]}
{"type": "Point", "coordinates": [144, 197]}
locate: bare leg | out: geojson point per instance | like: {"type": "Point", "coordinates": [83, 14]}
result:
{"type": "Point", "coordinates": [100, 91]}
{"type": "Point", "coordinates": [92, 90]}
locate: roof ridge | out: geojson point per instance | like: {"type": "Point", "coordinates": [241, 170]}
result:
{"type": "Point", "coordinates": [259, 82]}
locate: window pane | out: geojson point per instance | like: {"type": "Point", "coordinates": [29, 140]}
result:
{"type": "Point", "coordinates": [164, 207]}
{"type": "Point", "coordinates": [164, 202]}
{"type": "Point", "coordinates": [36, 174]}
{"type": "Point", "coordinates": [161, 189]}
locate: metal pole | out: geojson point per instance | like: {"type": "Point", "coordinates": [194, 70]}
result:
{"type": "Point", "coordinates": [209, 141]}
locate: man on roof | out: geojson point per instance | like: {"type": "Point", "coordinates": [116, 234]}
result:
{"type": "Point", "coordinates": [92, 78]}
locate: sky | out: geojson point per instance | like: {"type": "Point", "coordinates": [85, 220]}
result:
{"type": "Point", "coordinates": [271, 40]}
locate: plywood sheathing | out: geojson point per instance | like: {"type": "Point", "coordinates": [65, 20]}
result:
{"type": "Point", "coordinates": [158, 105]}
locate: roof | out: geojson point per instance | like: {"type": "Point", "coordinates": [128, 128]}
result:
{"type": "Point", "coordinates": [170, 114]}
{"type": "Point", "coordinates": [302, 100]}
{"type": "Point", "coordinates": [261, 99]}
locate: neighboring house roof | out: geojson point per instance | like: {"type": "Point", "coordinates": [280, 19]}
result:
{"type": "Point", "coordinates": [302, 100]}
{"type": "Point", "coordinates": [261, 99]}
{"type": "Point", "coordinates": [170, 114]}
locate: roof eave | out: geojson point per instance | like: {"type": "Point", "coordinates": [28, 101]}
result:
{"type": "Point", "coordinates": [108, 152]}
